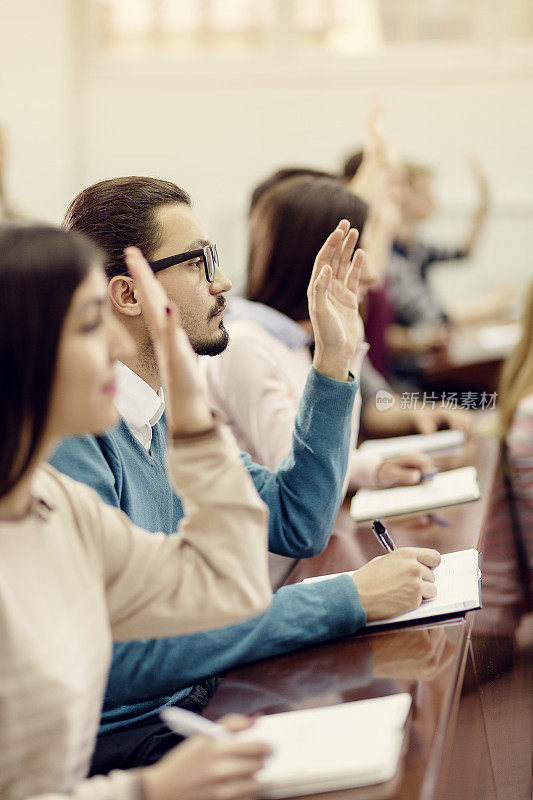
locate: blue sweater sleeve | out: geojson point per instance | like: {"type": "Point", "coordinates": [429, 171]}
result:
{"type": "Point", "coordinates": [82, 457]}
{"type": "Point", "coordinates": [304, 495]}
{"type": "Point", "coordinates": [300, 615]}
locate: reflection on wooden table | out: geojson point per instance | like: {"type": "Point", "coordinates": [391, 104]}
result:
{"type": "Point", "coordinates": [427, 663]}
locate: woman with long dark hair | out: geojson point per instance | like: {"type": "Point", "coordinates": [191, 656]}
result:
{"type": "Point", "coordinates": [74, 572]}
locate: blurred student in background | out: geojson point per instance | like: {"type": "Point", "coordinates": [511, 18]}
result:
{"type": "Point", "coordinates": [417, 204]}
{"type": "Point", "coordinates": [508, 537]}
{"type": "Point", "coordinates": [406, 322]}
{"type": "Point", "coordinates": [402, 318]}
{"type": "Point", "coordinates": [259, 379]}
{"type": "Point", "coordinates": [75, 573]}
{"type": "Point", "coordinates": [376, 238]}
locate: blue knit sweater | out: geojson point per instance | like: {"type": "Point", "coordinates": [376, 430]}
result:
{"type": "Point", "coordinates": [303, 499]}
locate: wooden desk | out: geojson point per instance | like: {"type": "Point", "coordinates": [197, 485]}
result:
{"type": "Point", "coordinates": [429, 661]}
{"type": "Point", "coordinates": [473, 357]}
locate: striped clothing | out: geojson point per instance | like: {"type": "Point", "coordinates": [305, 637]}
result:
{"type": "Point", "coordinates": [502, 588]}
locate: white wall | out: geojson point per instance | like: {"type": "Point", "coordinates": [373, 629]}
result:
{"type": "Point", "coordinates": [37, 103]}
{"type": "Point", "coordinates": [217, 128]}
{"type": "Point", "coordinates": [217, 132]}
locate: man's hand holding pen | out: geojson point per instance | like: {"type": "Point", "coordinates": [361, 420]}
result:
{"type": "Point", "coordinates": [397, 582]}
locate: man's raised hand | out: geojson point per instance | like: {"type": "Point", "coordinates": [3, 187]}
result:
{"type": "Point", "coordinates": [333, 301]}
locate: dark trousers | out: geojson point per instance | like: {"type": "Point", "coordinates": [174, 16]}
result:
{"type": "Point", "coordinates": [146, 741]}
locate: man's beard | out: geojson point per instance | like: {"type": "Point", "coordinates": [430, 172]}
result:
{"type": "Point", "coordinates": [213, 348]}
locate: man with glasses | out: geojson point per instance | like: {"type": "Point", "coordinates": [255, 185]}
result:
{"type": "Point", "coordinates": [126, 466]}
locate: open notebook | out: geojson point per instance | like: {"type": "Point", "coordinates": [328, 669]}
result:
{"type": "Point", "coordinates": [445, 489]}
{"type": "Point", "coordinates": [419, 442]}
{"type": "Point", "coordinates": [457, 579]}
{"type": "Point", "coordinates": [333, 747]}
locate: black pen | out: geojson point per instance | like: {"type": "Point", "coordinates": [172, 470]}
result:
{"type": "Point", "coordinates": [382, 535]}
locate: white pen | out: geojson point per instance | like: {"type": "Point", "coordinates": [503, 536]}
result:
{"type": "Point", "coordinates": [188, 724]}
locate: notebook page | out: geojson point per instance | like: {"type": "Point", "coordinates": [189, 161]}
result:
{"type": "Point", "coordinates": [344, 745]}
{"type": "Point", "coordinates": [446, 488]}
{"type": "Point", "coordinates": [399, 445]}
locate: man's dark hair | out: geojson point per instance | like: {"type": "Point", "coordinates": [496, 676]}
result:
{"type": "Point", "coordinates": [352, 164]}
{"type": "Point", "coordinates": [288, 226]}
{"type": "Point", "coordinates": [40, 269]}
{"type": "Point", "coordinates": [283, 175]}
{"type": "Point", "coordinates": [120, 212]}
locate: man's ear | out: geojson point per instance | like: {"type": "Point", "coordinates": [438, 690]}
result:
{"type": "Point", "coordinates": [121, 291]}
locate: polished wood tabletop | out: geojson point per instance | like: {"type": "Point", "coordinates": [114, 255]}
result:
{"type": "Point", "coordinates": [431, 661]}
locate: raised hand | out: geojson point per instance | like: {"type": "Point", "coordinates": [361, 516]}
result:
{"type": "Point", "coordinates": [187, 411]}
{"type": "Point", "coordinates": [333, 302]}
{"type": "Point", "coordinates": [481, 179]}
{"type": "Point", "coordinates": [380, 161]}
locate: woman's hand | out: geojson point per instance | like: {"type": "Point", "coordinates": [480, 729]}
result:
{"type": "Point", "coordinates": [481, 180]}
{"type": "Point", "coordinates": [208, 769]}
{"type": "Point", "coordinates": [373, 179]}
{"type": "Point", "coordinates": [187, 410]}
{"type": "Point", "coordinates": [333, 302]}
{"type": "Point", "coordinates": [405, 470]}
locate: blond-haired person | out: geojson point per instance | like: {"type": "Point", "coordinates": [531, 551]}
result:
{"type": "Point", "coordinates": [508, 537]}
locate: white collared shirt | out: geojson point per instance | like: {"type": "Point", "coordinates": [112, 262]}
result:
{"type": "Point", "coordinates": [137, 403]}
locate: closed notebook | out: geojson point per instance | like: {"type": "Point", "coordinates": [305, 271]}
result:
{"type": "Point", "coordinates": [457, 579]}
{"type": "Point", "coordinates": [333, 747]}
{"type": "Point", "coordinates": [445, 489]}
{"type": "Point", "coordinates": [417, 443]}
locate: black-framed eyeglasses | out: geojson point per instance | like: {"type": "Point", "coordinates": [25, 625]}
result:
{"type": "Point", "coordinates": [208, 254]}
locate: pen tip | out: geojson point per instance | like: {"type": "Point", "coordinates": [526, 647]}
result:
{"type": "Point", "coordinates": [379, 526]}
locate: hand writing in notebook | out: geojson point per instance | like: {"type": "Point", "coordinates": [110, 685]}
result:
{"type": "Point", "coordinates": [397, 582]}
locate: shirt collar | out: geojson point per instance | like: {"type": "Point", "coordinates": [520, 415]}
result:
{"type": "Point", "coordinates": [274, 322]}
{"type": "Point", "coordinates": [137, 403]}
